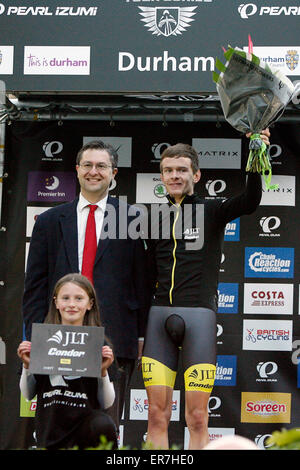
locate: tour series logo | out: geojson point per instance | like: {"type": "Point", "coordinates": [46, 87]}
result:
{"type": "Point", "coordinates": [167, 21]}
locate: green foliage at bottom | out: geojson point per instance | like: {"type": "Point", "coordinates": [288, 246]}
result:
{"type": "Point", "coordinates": [286, 439]}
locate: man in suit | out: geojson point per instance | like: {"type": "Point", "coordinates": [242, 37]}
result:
{"type": "Point", "coordinates": [56, 249]}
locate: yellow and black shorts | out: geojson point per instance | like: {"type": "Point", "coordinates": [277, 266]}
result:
{"type": "Point", "coordinates": [191, 329]}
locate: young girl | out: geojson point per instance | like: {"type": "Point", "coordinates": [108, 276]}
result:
{"type": "Point", "coordinates": [70, 409]}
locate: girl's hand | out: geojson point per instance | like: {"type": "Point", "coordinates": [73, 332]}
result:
{"type": "Point", "coordinates": [23, 352]}
{"type": "Point", "coordinates": [107, 359]}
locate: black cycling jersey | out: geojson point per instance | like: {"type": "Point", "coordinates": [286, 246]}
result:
{"type": "Point", "coordinates": [187, 277]}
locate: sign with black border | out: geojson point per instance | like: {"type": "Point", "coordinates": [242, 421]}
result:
{"type": "Point", "coordinates": [66, 350]}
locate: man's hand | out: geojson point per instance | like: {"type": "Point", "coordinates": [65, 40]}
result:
{"type": "Point", "coordinates": [265, 136]}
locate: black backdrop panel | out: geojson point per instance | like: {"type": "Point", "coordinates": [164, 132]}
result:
{"type": "Point", "coordinates": [108, 45]}
{"type": "Point", "coordinates": [255, 365]}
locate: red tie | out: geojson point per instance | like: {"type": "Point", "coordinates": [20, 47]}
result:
{"type": "Point", "coordinates": [90, 245]}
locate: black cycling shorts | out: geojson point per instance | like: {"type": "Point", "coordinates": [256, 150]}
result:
{"type": "Point", "coordinates": [191, 329]}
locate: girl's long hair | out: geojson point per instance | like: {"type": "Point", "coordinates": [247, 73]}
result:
{"type": "Point", "coordinates": [92, 316]}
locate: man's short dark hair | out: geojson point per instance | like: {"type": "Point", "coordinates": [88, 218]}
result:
{"type": "Point", "coordinates": [181, 150]}
{"type": "Point", "coordinates": [99, 145]}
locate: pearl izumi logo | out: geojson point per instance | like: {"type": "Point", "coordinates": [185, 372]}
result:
{"type": "Point", "coordinates": [266, 370]}
{"type": "Point", "coordinates": [247, 10]}
{"type": "Point", "coordinates": [215, 187]}
{"type": "Point", "coordinates": [269, 226]}
{"type": "Point", "coordinates": [47, 11]}
{"type": "Point", "coordinates": [52, 151]}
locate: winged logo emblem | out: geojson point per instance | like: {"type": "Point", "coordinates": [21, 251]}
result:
{"type": "Point", "coordinates": [166, 22]}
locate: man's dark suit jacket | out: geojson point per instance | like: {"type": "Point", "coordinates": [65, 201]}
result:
{"type": "Point", "coordinates": [119, 273]}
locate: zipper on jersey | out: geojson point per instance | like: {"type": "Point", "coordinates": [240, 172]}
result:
{"type": "Point", "coordinates": [174, 251]}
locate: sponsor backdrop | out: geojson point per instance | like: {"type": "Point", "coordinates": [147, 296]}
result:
{"type": "Point", "coordinates": [138, 45]}
{"type": "Point", "coordinates": [258, 337]}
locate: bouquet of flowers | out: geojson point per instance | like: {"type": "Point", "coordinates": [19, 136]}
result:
{"type": "Point", "coordinates": [252, 96]}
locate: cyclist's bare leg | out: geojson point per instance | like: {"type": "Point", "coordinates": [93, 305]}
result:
{"type": "Point", "coordinates": [159, 415]}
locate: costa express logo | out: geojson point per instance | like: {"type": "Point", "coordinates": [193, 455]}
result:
{"type": "Point", "coordinates": [265, 407]}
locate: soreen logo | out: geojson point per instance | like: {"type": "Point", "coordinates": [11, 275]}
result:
{"type": "Point", "coordinates": [268, 408]}
{"type": "Point", "coordinates": [265, 407]}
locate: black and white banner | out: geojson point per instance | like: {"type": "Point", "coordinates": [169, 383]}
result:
{"type": "Point", "coordinates": [119, 46]}
{"type": "Point", "coordinates": [258, 376]}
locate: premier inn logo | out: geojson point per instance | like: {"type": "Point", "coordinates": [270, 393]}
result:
{"type": "Point", "coordinates": [170, 21]}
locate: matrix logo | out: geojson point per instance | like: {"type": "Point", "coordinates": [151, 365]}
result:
{"type": "Point", "coordinates": [269, 262]}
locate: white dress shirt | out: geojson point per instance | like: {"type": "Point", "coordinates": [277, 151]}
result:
{"type": "Point", "coordinates": [82, 216]}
